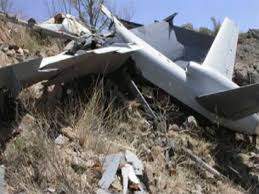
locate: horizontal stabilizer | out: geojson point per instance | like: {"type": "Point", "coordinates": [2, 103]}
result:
{"type": "Point", "coordinates": [233, 104]}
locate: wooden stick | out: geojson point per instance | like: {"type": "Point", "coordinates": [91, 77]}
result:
{"type": "Point", "coordinates": [203, 164]}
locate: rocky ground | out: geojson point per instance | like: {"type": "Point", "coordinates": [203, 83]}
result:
{"type": "Point", "coordinates": [58, 140]}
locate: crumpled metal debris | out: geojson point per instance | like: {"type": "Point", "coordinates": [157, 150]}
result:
{"type": "Point", "coordinates": [111, 165]}
{"type": "Point", "coordinates": [137, 164]}
{"type": "Point", "coordinates": [2, 179]}
{"type": "Point", "coordinates": [128, 174]}
{"type": "Point", "coordinates": [101, 191]}
{"type": "Point", "coordinates": [131, 169]}
{"type": "Point", "coordinates": [66, 23]}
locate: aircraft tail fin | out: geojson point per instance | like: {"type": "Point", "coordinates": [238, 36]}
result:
{"type": "Point", "coordinates": [221, 56]}
{"type": "Point", "coordinates": [232, 104]}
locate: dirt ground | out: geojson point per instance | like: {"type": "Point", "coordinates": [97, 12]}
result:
{"type": "Point", "coordinates": [58, 140]}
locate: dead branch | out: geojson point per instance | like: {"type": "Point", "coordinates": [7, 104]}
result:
{"type": "Point", "coordinates": [6, 5]}
{"type": "Point", "coordinates": [202, 164]}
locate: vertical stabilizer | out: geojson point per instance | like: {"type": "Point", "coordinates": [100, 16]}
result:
{"type": "Point", "coordinates": [222, 54]}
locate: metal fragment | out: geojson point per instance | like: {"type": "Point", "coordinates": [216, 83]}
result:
{"type": "Point", "coordinates": [134, 160]}
{"type": "Point", "coordinates": [101, 191]}
{"type": "Point", "coordinates": [2, 179]}
{"type": "Point", "coordinates": [111, 165]}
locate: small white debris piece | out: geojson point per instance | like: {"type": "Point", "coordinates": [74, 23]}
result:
{"type": "Point", "coordinates": [125, 178]}
{"type": "Point", "coordinates": [111, 165]}
{"type": "Point", "coordinates": [128, 174]}
{"type": "Point", "coordinates": [69, 92]}
{"type": "Point", "coordinates": [192, 122]}
{"type": "Point", "coordinates": [101, 191]}
{"type": "Point", "coordinates": [51, 190]}
{"type": "Point", "coordinates": [2, 179]}
{"type": "Point", "coordinates": [137, 164]}
{"type": "Point", "coordinates": [132, 176]}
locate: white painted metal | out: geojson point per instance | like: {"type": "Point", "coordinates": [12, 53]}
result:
{"type": "Point", "coordinates": [186, 85]}
{"type": "Point", "coordinates": [221, 56]}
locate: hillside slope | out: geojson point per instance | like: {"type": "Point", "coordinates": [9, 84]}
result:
{"type": "Point", "coordinates": [59, 138]}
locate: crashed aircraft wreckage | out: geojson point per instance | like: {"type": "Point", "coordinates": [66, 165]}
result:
{"type": "Point", "coordinates": [168, 57]}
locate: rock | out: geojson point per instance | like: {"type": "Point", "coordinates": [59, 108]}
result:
{"type": "Point", "coordinates": [61, 140]}
{"type": "Point", "coordinates": [10, 53]}
{"type": "Point", "coordinates": [174, 127]}
{"type": "Point", "coordinates": [254, 33]}
{"type": "Point", "coordinates": [20, 57]}
{"type": "Point", "coordinates": [80, 165]}
{"type": "Point", "coordinates": [20, 51]}
{"type": "Point", "coordinates": [27, 122]}
{"type": "Point", "coordinates": [254, 77]}
{"type": "Point", "coordinates": [68, 132]}
{"type": "Point", "coordinates": [116, 185]}
{"type": "Point", "coordinates": [157, 154]}
{"type": "Point", "coordinates": [4, 59]}
{"type": "Point", "coordinates": [247, 73]}
{"type": "Point", "coordinates": [4, 48]}
{"type": "Point", "coordinates": [26, 51]}
{"type": "Point", "coordinates": [171, 134]}
{"type": "Point", "coordinates": [192, 121]}
{"type": "Point", "coordinates": [241, 74]}
{"type": "Point", "coordinates": [36, 90]}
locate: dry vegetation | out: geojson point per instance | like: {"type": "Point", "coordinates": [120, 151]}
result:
{"type": "Point", "coordinates": [93, 125]}
{"type": "Point", "coordinates": [57, 142]}
{"type": "Point", "coordinates": [35, 43]}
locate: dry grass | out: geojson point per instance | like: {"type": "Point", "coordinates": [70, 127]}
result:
{"type": "Point", "coordinates": [20, 36]}
{"type": "Point", "coordinates": [35, 163]}
{"type": "Point", "coordinates": [99, 127]}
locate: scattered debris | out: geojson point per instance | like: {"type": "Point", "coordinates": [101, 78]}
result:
{"type": "Point", "coordinates": [163, 156]}
{"type": "Point", "coordinates": [137, 164]}
{"type": "Point", "coordinates": [67, 24]}
{"type": "Point", "coordinates": [130, 167]}
{"type": "Point", "coordinates": [46, 28]}
{"type": "Point", "coordinates": [110, 166]}
{"type": "Point", "coordinates": [192, 122]}
{"type": "Point", "coordinates": [101, 191]}
{"type": "Point", "coordinates": [128, 174]}
{"type": "Point", "coordinates": [2, 179]}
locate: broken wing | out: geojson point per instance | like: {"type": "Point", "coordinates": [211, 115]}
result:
{"type": "Point", "coordinates": [98, 61]}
